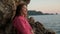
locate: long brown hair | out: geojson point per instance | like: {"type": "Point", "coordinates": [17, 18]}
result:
{"type": "Point", "coordinates": [19, 8]}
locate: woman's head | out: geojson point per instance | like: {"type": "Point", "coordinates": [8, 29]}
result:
{"type": "Point", "coordinates": [21, 9]}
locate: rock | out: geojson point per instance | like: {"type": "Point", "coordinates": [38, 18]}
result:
{"type": "Point", "coordinates": [50, 31]}
{"type": "Point", "coordinates": [39, 28]}
{"type": "Point", "coordinates": [7, 13]}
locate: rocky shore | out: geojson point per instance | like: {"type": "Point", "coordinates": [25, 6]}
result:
{"type": "Point", "coordinates": [39, 28]}
{"type": "Point", "coordinates": [7, 13]}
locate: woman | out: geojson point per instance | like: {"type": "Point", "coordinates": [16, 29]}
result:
{"type": "Point", "coordinates": [20, 22]}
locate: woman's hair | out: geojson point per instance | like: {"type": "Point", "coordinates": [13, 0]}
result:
{"type": "Point", "coordinates": [19, 8]}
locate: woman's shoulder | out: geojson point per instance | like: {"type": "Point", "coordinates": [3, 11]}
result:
{"type": "Point", "coordinates": [19, 18]}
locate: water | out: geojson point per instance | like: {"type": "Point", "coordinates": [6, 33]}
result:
{"type": "Point", "coordinates": [49, 21]}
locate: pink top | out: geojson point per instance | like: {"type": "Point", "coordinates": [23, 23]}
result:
{"type": "Point", "coordinates": [22, 25]}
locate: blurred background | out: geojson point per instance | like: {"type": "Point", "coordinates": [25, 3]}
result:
{"type": "Point", "coordinates": [46, 12]}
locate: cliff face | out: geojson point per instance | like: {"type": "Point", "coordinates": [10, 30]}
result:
{"type": "Point", "coordinates": [7, 12]}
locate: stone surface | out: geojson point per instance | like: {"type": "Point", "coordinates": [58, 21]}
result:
{"type": "Point", "coordinates": [7, 13]}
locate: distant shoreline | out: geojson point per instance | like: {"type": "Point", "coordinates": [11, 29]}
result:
{"type": "Point", "coordinates": [35, 15]}
{"type": "Point", "coordinates": [33, 12]}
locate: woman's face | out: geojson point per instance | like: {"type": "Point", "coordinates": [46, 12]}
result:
{"type": "Point", "coordinates": [24, 10]}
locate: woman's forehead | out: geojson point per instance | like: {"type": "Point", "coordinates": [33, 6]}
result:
{"type": "Point", "coordinates": [24, 6]}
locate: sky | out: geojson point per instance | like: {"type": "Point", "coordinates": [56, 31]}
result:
{"type": "Point", "coordinates": [46, 6]}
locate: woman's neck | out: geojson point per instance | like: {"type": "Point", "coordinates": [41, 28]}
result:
{"type": "Point", "coordinates": [22, 15]}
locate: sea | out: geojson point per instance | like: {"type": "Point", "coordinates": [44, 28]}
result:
{"type": "Point", "coordinates": [49, 21]}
